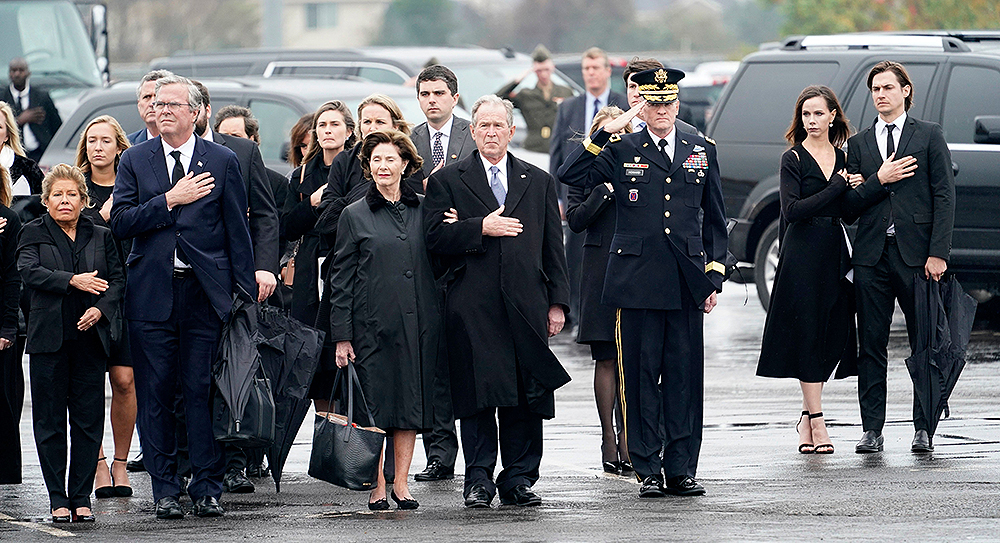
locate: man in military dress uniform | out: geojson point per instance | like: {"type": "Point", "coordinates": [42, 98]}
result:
{"type": "Point", "coordinates": [664, 271]}
{"type": "Point", "coordinates": [539, 104]}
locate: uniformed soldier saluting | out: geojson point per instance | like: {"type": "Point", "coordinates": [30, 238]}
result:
{"type": "Point", "coordinates": [663, 274]}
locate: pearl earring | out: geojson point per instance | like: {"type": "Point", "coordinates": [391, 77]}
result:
{"type": "Point", "coordinates": [831, 125]}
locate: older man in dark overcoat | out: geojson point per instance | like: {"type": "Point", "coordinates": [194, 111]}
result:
{"type": "Point", "coordinates": [495, 219]}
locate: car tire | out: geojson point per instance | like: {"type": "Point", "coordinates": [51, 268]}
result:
{"type": "Point", "coordinates": [766, 263]}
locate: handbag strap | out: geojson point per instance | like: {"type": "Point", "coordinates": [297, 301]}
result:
{"type": "Point", "coordinates": [352, 382]}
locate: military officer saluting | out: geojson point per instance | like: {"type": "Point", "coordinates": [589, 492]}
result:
{"type": "Point", "coordinates": [664, 271]}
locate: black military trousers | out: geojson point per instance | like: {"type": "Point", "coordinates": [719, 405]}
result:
{"type": "Point", "coordinates": [661, 364]}
{"type": "Point", "coordinates": [878, 287]}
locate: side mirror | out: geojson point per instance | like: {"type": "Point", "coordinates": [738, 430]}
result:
{"type": "Point", "coordinates": [988, 129]}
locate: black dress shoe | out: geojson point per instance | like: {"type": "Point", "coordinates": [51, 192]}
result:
{"type": "Point", "coordinates": [404, 503]}
{"type": "Point", "coordinates": [208, 506]}
{"type": "Point", "coordinates": [478, 497]}
{"type": "Point", "coordinates": [871, 442]}
{"type": "Point", "coordinates": [435, 471]}
{"type": "Point", "coordinates": [626, 466]}
{"type": "Point", "coordinates": [236, 482]}
{"type": "Point", "coordinates": [522, 496]}
{"type": "Point", "coordinates": [136, 464]}
{"type": "Point", "coordinates": [168, 507]}
{"type": "Point", "coordinates": [684, 486]}
{"type": "Point", "coordinates": [652, 487]}
{"type": "Point", "coordinates": [612, 468]}
{"type": "Point", "coordinates": [922, 442]}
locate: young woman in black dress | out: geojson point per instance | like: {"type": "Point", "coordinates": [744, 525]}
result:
{"type": "Point", "coordinates": [810, 329]}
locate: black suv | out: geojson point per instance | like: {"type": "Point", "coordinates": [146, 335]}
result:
{"type": "Point", "coordinates": [956, 77]}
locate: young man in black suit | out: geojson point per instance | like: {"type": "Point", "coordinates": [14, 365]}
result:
{"type": "Point", "coordinates": [37, 116]}
{"type": "Point", "coordinates": [443, 139]}
{"type": "Point", "coordinates": [904, 192]}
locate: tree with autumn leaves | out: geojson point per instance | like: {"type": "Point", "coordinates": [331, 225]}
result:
{"type": "Point", "coordinates": [835, 16]}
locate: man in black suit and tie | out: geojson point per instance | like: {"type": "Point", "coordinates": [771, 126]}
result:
{"type": "Point", "coordinates": [36, 115]}
{"type": "Point", "coordinates": [907, 212]}
{"type": "Point", "coordinates": [573, 120]}
{"type": "Point", "coordinates": [184, 202]}
{"type": "Point", "coordinates": [263, 233]}
{"type": "Point", "coordinates": [443, 139]}
{"type": "Point", "coordinates": [507, 293]}
{"type": "Point", "coordinates": [664, 270]}
{"type": "Point", "coordinates": [145, 93]}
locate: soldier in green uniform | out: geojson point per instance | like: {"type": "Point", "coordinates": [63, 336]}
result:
{"type": "Point", "coordinates": [538, 105]}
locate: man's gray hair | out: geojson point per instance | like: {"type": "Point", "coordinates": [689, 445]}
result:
{"type": "Point", "coordinates": [494, 100]}
{"type": "Point", "coordinates": [154, 75]}
{"type": "Point", "coordinates": [194, 95]}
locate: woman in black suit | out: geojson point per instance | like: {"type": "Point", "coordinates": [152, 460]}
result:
{"type": "Point", "coordinates": [810, 328]}
{"type": "Point", "coordinates": [101, 145]}
{"type": "Point", "coordinates": [593, 211]}
{"type": "Point", "coordinates": [11, 376]}
{"type": "Point", "coordinates": [386, 303]}
{"type": "Point", "coordinates": [71, 270]}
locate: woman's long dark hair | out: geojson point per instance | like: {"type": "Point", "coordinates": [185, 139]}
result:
{"type": "Point", "coordinates": [839, 132]}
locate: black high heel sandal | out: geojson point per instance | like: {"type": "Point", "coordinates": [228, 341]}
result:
{"type": "Point", "coordinates": [105, 491]}
{"type": "Point", "coordinates": [805, 448]}
{"type": "Point", "coordinates": [121, 491]}
{"type": "Point", "coordinates": [820, 448]}
{"type": "Point", "coordinates": [84, 518]}
{"type": "Point", "coordinates": [60, 518]}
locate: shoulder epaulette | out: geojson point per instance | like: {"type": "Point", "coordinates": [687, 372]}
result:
{"type": "Point", "coordinates": [709, 140]}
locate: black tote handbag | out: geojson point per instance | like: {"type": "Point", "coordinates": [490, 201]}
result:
{"type": "Point", "coordinates": [344, 453]}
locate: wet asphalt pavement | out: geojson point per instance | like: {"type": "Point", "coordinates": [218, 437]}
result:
{"type": "Point", "coordinates": [759, 487]}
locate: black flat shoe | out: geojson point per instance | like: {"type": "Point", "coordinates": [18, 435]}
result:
{"type": "Point", "coordinates": [60, 518]}
{"type": "Point", "coordinates": [136, 465]}
{"type": "Point", "coordinates": [626, 466]}
{"type": "Point", "coordinates": [120, 491]}
{"type": "Point", "coordinates": [379, 505]}
{"type": "Point", "coordinates": [478, 497]}
{"type": "Point", "coordinates": [208, 507]}
{"type": "Point", "coordinates": [871, 442]}
{"type": "Point", "coordinates": [84, 518]}
{"type": "Point", "coordinates": [435, 471]}
{"type": "Point", "coordinates": [404, 503]}
{"type": "Point", "coordinates": [611, 467]}
{"type": "Point", "coordinates": [652, 487]}
{"type": "Point", "coordinates": [684, 486]}
{"type": "Point", "coordinates": [521, 496]}
{"type": "Point", "coordinates": [168, 508]}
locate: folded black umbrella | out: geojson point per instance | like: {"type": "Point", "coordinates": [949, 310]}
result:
{"type": "Point", "coordinates": [238, 359]}
{"type": "Point", "coordinates": [289, 353]}
{"type": "Point", "coordinates": [944, 316]}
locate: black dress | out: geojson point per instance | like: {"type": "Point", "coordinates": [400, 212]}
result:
{"type": "Point", "coordinates": [386, 302]}
{"type": "Point", "coordinates": [810, 328]}
{"type": "Point", "coordinates": [11, 375]}
{"type": "Point", "coordinates": [593, 211]}
{"type": "Point", "coordinates": [120, 354]}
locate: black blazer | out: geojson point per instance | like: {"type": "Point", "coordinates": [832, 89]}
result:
{"type": "Point", "coordinates": [460, 144]}
{"type": "Point", "coordinates": [9, 277]}
{"type": "Point", "coordinates": [42, 255]}
{"type": "Point", "coordinates": [263, 207]}
{"type": "Point", "coordinates": [500, 288]}
{"type": "Point", "coordinates": [922, 206]}
{"type": "Point", "coordinates": [37, 97]}
{"type": "Point", "coordinates": [571, 123]}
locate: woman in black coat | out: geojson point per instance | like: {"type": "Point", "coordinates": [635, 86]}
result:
{"type": "Point", "coordinates": [74, 280]}
{"type": "Point", "coordinates": [593, 211]}
{"type": "Point", "coordinates": [810, 328]}
{"type": "Point", "coordinates": [100, 147]}
{"type": "Point", "coordinates": [386, 315]}
{"type": "Point", "coordinates": [11, 376]}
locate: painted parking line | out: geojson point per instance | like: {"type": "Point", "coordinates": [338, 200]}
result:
{"type": "Point", "coordinates": [37, 526]}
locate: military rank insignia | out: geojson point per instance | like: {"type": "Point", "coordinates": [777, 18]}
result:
{"type": "Point", "coordinates": [697, 161]}
{"type": "Point", "coordinates": [633, 195]}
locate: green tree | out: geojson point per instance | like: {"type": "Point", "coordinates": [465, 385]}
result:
{"type": "Point", "coordinates": [418, 22]}
{"type": "Point", "coordinates": [834, 16]}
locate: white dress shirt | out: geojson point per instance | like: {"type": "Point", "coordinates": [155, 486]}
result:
{"type": "Point", "coordinates": [590, 112]}
{"type": "Point", "coordinates": [502, 174]}
{"type": "Point", "coordinates": [445, 136]}
{"type": "Point", "coordinates": [882, 133]}
{"type": "Point", "coordinates": [187, 152]}
{"type": "Point", "coordinates": [28, 139]}
{"type": "Point", "coordinates": [671, 140]}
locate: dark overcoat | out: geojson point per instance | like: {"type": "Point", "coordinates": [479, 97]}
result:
{"type": "Point", "coordinates": [593, 211]}
{"type": "Point", "coordinates": [499, 289]}
{"type": "Point", "coordinates": [386, 302]}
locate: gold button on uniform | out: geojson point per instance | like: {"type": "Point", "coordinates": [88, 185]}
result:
{"type": "Point", "coordinates": [619, 251]}
{"type": "Point", "coordinates": [668, 180]}
{"type": "Point", "coordinates": [666, 214]}
{"type": "Point", "coordinates": [666, 231]}
{"type": "Point", "coordinates": [666, 197]}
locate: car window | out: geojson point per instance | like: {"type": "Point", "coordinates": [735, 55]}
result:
{"type": "Point", "coordinates": [276, 121]}
{"type": "Point", "coordinates": [380, 75]}
{"type": "Point", "coordinates": [861, 110]}
{"type": "Point", "coordinates": [763, 100]}
{"type": "Point", "coordinates": [966, 99]}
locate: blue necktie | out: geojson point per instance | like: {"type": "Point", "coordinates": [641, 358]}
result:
{"type": "Point", "coordinates": [597, 107]}
{"type": "Point", "coordinates": [497, 186]}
